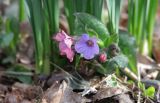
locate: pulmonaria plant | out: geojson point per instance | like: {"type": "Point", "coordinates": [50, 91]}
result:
{"type": "Point", "coordinates": [87, 46]}
{"type": "Point", "coordinates": [65, 43]}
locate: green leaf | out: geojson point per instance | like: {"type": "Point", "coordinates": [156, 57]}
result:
{"type": "Point", "coordinates": [17, 72]}
{"type": "Point", "coordinates": [142, 87]}
{"type": "Point", "coordinates": [91, 32]}
{"type": "Point", "coordinates": [150, 92]}
{"type": "Point", "coordinates": [127, 45]}
{"type": "Point", "coordinates": [112, 82]}
{"type": "Point", "coordinates": [121, 61]}
{"type": "Point", "coordinates": [8, 59]}
{"type": "Point", "coordinates": [110, 66]}
{"type": "Point", "coordinates": [117, 62]}
{"type": "Point", "coordinates": [25, 79]}
{"type": "Point", "coordinates": [90, 22]}
{"type": "Point", "coordinates": [6, 39]}
{"type": "Point", "coordinates": [14, 26]}
{"type": "Point", "coordinates": [112, 39]}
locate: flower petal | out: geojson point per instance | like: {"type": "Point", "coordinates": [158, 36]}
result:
{"type": "Point", "coordinates": [59, 36]}
{"type": "Point", "coordinates": [88, 54]}
{"type": "Point", "coordinates": [96, 49]}
{"type": "Point", "coordinates": [70, 54]}
{"type": "Point", "coordinates": [64, 50]}
{"type": "Point", "coordinates": [68, 42]}
{"type": "Point", "coordinates": [80, 47]}
{"type": "Point", "coordinates": [84, 38]}
{"type": "Point", "coordinates": [88, 51]}
{"type": "Point", "coordinates": [62, 47]}
{"type": "Point", "coordinates": [65, 34]}
{"type": "Point", "coordinates": [94, 40]}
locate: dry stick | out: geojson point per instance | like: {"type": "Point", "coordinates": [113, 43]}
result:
{"type": "Point", "coordinates": [150, 67]}
{"type": "Point", "coordinates": [129, 73]}
{"type": "Point", "coordinates": [134, 77]}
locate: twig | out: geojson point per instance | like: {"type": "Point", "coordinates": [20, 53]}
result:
{"type": "Point", "coordinates": [149, 66]}
{"type": "Point", "coordinates": [129, 73]}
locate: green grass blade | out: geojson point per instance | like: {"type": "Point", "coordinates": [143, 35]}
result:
{"type": "Point", "coordinates": [47, 47]}
{"type": "Point", "coordinates": [80, 5]}
{"type": "Point", "coordinates": [21, 10]}
{"type": "Point", "coordinates": [141, 21]}
{"type": "Point", "coordinates": [150, 20]}
{"type": "Point", "coordinates": [69, 11]}
{"type": "Point", "coordinates": [53, 14]}
{"type": "Point", "coordinates": [94, 7]}
{"type": "Point", "coordinates": [36, 17]}
{"type": "Point", "coordinates": [114, 15]}
{"type": "Point", "coordinates": [44, 18]}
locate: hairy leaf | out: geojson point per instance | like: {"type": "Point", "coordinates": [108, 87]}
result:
{"type": "Point", "coordinates": [117, 62]}
{"type": "Point", "coordinates": [128, 48]}
{"type": "Point", "coordinates": [90, 22]}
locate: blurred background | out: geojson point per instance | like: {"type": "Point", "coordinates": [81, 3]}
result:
{"type": "Point", "coordinates": [21, 52]}
{"type": "Point", "coordinates": [27, 28]}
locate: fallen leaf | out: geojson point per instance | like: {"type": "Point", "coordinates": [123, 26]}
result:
{"type": "Point", "coordinates": [124, 98]}
{"type": "Point", "coordinates": [107, 92]}
{"type": "Point", "coordinates": [62, 93]}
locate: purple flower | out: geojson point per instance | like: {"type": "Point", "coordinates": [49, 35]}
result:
{"type": "Point", "coordinates": [87, 46]}
{"type": "Point", "coordinates": [65, 43]}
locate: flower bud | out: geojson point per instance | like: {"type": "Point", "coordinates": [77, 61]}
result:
{"type": "Point", "coordinates": [103, 57]}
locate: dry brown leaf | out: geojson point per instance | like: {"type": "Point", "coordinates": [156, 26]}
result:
{"type": "Point", "coordinates": [124, 98]}
{"type": "Point", "coordinates": [107, 92]}
{"type": "Point", "coordinates": [61, 93]}
{"type": "Point", "coordinates": [148, 67]}
{"type": "Point", "coordinates": [54, 93]}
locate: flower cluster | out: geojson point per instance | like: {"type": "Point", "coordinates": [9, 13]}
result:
{"type": "Point", "coordinates": [86, 46]}
{"type": "Point", "coordinates": [65, 43]}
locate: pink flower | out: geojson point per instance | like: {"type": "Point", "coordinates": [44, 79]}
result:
{"type": "Point", "coordinates": [103, 57]}
{"type": "Point", "coordinates": [65, 43]}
